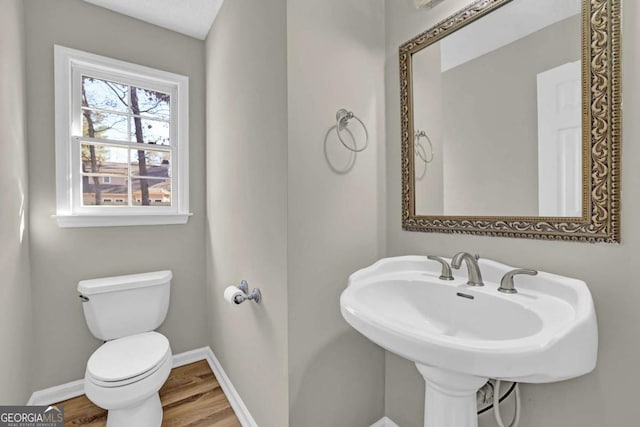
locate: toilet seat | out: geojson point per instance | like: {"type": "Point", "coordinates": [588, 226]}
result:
{"type": "Point", "coordinates": [127, 360]}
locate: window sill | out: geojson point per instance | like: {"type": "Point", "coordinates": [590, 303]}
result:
{"type": "Point", "coordinates": [82, 221]}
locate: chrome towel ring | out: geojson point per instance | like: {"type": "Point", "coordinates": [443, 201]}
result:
{"type": "Point", "coordinates": [342, 121]}
{"type": "Point", "coordinates": [419, 148]}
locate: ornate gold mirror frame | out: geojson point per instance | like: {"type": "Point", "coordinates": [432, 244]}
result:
{"type": "Point", "coordinates": [601, 130]}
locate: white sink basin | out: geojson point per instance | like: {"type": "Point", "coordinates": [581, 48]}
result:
{"type": "Point", "coordinates": [455, 332]}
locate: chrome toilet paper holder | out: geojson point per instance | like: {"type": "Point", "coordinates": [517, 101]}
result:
{"type": "Point", "coordinates": [255, 294]}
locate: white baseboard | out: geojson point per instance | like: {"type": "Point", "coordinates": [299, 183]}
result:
{"type": "Point", "coordinates": [73, 389]}
{"type": "Point", "coordinates": [191, 356]}
{"type": "Point", "coordinates": [57, 393]}
{"type": "Point", "coordinates": [384, 422]}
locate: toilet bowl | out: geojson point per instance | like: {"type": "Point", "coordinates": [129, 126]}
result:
{"type": "Point", "coordinates": [125, 373]}
{"type": "Point", "coordinates": [124, 377]}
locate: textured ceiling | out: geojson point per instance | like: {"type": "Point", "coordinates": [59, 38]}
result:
{"type": "Point", "coordinates": [190, 17]}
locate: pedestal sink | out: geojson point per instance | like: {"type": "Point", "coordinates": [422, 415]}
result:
{"type": "Point", "coordinates": [460, 336]}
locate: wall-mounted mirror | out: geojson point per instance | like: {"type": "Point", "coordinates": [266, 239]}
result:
{"type": "Point", "coordinates": [511, 121]}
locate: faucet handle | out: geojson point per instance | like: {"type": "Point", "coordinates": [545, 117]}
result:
{"type": "Point", "coordinates": [446, 270]}
{"type": "Point", "coordinates": [506, 284]}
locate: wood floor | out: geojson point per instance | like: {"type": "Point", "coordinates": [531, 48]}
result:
{"type": "Point", "coordinates": [191, 397]}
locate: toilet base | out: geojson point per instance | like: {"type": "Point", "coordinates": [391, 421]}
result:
{"type": "Point", "coordinates": [147, 413]}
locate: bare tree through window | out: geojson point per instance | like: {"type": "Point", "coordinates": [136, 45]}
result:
{"type": "Point", "coordinates": [119, 112]}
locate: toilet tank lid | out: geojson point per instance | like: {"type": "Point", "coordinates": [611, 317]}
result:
{"type": "Point", "coordinates": [120, 283]}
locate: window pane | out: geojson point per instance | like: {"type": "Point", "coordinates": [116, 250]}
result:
{"type": "Point", "coordinates": [149, 131]}
{"type": "Point", "coordinates": [104, 95]}
{"type": "Point", "coordinates": [96, 192]}
{"type": "Point", "coordinates": [151, 163]}
{"type": "Point", "coordinates": [96, 124]}
{"type": "Point", "coordinates": [151, 192]}
{"type": "Point", "coordinates": [98, 158]}
{"type": "Point", "coordinates": [151, 104]}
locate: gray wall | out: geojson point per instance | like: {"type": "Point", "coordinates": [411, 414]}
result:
{"type": "Point", "coordinates": [247, 200]}
{"type": "Point", "coordinates": [335, 60]}
{"type": "Point", "coordinates": [15, 282]}
{"type": "Point", "coordinates": [62, 257]}
{"type": "Point", "coordinates": [606, 397]}
{"type": "Point", "coordinates": [271, 190]}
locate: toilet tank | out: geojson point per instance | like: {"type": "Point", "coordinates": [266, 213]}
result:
{"type": "Point", "coordinates": [119, 306]}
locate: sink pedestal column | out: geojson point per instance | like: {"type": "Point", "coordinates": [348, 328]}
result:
{"type": "Point", "coordinates": [450, 398]}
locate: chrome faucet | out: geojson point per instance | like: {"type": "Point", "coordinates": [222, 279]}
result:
{"type": "Point", "coordinates": [473, 269]}
{"type": "Point", "coordinates": [506, 284]}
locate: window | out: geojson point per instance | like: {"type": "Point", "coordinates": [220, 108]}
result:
{"type": "Point", "coordinates": [122, 148]}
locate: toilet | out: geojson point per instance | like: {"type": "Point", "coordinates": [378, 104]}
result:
{"type": "Point", "coordinates": [125, 374]}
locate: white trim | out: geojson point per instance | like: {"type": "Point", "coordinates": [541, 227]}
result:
{"type": "Point", "coordinates": [384, 422]}
{"type": "Point", "coordinates": [70, 64]}
{"type": "Point", "coordinates": [57, 394]}
{"type": "Point", "coordinates": [80, 221]}
{"type": "Point", "coordinates": [76, 388]}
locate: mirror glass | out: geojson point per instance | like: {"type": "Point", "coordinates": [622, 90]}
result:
{"type": "Point", "coordinates": [497, 115]}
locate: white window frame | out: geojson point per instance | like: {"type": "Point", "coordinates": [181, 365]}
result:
{"type": "Point", "coordinates": [70, 65]}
